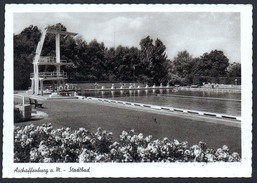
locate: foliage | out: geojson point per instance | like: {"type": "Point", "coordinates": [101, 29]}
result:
{"type": "Point", "coordinates": [24, 48]}
{"type": "Point", "coordinates": [122, 63]}
{"type": "Point", "coordinates": [213, 64]}
{"type": "Point", "coordinates": [183, 63]}
{"type": "Point", "coordinates": [182, 67]}
{"type": "Point", "coordinates": [92, 61]}
{"type": "Point", "coordinates": [45, 144]}
{"type": "Point", "coordinates": [154, 61]}
{"type": "Point", "coordinates": [210, 67]}
{"type": "Point", "coordinates": [234, 70]}
{"type": "Point", "coordinates": [89, 61]}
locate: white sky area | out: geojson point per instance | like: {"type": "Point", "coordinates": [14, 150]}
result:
{"type": "Point", "coordinates": [195, 32]}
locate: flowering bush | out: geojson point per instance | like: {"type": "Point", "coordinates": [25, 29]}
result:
{"type": "Point", "coordinates": [45, 144]}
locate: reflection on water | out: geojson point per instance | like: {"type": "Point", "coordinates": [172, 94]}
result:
{"type": "Point", "coordinates": [219, 102]}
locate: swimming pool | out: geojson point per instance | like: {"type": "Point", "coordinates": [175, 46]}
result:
{"type": "Point", "coordinates": [209, 101]}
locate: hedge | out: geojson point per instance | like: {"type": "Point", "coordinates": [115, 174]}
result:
{"type": "Point", "coordinates": [45, 144]}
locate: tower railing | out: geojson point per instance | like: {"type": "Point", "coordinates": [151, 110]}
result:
{"type": "Point", "coordinates": [49, 59]}
{"type": "Point", "coordinates": [50, 74]}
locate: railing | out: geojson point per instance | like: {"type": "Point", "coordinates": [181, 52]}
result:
{"type": "Point", "coordinates": [46, 59]}
{"type": "Point", "coordinates": [20, 96]}
{"type": "Point", "coordinates": [50, 74]}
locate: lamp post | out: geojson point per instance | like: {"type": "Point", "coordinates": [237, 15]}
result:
{"type": "Point", "coordinates": [114, 40]}
{"type": "Point", "coordinates": [134, 68]}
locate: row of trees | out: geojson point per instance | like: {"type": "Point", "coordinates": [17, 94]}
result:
{"type": "Point", "coordinates": [186, 69]}
{"type": "Point", "coordinates": [94, 62]}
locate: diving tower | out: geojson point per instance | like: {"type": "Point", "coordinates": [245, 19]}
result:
{"type": "Point", "coordinates": [58, 76]}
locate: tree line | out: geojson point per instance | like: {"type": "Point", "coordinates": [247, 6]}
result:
{"type": "Point", "coordinates": [93, 61]}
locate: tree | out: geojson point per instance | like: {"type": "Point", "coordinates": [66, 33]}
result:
{"type": "Point", "coordinates": [234, 70]}
{"type": "Point", "coordinates": [89, 61]}
{"type": "Point", "coordinates": [153, 61]}
{"type": "Point", "coordinates": [125, 63]}
{"type": "Point", "coordinates": [182, 66]}
{"type": "Point", "coordinates": [121, 63]}
{"type": "Point", "coordinates": [146, 57]}
{"type": "Point", "coordinates": [111, 65]}
{"type": "Point", "coordinates": [69, 52]}
{"type": "Point", "coordinates": [25, 45]}
{"type": "Point", "coordinates": [213, 64]}
{"type": "Point", "coordinates": [159, 64]}
{"type": "Point", "coordinates": [80, 67]}
{"type": "Point", "coordinates": [96, 60]}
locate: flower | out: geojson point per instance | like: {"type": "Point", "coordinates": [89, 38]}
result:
{"type": "Point", "coordinates": [184, 144]}
{"type": "Point", "coordinates": [225, 148]}
{"type": "Point", "coordinates": [45, 144]}
{"type": "Point", "coordinates": [140, 136]}
{"type": "Point", "coordinates": [176, 142]}
{"type": "Point", "coordinates": [148, 138]}
{"type": "Point", "coordinates": [47, 160]}
{"type": "Point", "coordinates": [236, 156]}
{"type": "Point", "coordinates": [210, 157]}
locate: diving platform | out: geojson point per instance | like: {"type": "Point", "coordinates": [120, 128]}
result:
{"type": "Point", "coordinates": [57, 76]}
{"type": "Point", "coordinates": [56, 32]}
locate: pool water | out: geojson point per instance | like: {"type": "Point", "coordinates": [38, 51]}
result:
{"type": "Point", "coordinates": [209, 101]}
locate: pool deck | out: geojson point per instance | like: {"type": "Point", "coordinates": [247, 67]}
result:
{"type": "Point", "coordinates": [44, 97]}
{"type": "Point", "coordinates": [224, 119]}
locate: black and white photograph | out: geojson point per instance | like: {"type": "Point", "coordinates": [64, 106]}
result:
{"type": "Point", "coordinates": [127, 91]}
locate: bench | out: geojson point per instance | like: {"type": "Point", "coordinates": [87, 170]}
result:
{"type": "Point", "coordinates": [35, 103]}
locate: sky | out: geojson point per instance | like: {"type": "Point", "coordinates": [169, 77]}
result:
{"type": "Point", "coordinates": [196, 32]}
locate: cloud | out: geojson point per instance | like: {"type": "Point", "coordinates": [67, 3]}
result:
{"type": "Point", "coordinates": [195, 32]}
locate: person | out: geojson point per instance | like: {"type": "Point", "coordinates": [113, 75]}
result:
{"type": "Point", "coordinates": [60, 87]}
{"type": "Point", "coordinates": [95, 85]}
{"type": "Point", "coordinates": [66, 87]}
{"type": "Point", "coordinates": [112, 86]}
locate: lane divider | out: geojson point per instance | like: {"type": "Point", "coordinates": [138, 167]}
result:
{"type": "Point", "coordinates": [156, 107]}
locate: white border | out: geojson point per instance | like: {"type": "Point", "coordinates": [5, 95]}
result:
{"type": "Point", "coordinates": [242, 169]}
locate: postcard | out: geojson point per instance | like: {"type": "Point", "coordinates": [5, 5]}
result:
{"type": "Point", "coordinates": [119, 90]}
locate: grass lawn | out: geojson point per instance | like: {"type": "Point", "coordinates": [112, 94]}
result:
{"type": "Point", "coordinates": [77, 114]}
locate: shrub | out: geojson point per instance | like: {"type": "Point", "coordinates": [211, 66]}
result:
{"type": "Point", "coordinates": [45, 144]}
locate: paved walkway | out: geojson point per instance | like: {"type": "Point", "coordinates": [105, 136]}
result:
{"type": "Point", "coordinates": [91, 115]}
